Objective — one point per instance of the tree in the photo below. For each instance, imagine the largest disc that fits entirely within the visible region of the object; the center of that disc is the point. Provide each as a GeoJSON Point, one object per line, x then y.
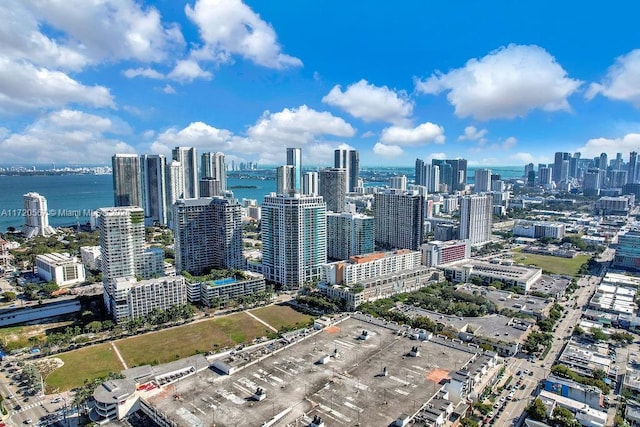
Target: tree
{"type": "Point", "coordinates": [563, 417]}
{"type": "Point", "coordinates": [598, 335]}
{"type": "Point", "coordinates": [536, 410]}
{"type": "Point", "coordinates": [9, 296]}
{"type": "Point", "coordinates": [578, 330]}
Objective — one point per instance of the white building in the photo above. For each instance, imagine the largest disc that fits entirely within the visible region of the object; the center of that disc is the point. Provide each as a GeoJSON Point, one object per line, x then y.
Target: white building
{"type": "Point", "coordinates": [132, 299]}
{"type": "Point", "coordinates": [213, 293]}
{"type": "Point", "coordinates": [294, 238]}
{"type": "Point", "coordinates": [399, 219]}
{"type": "Point", "coordinates": [362, 267]}
{"type": "Point", "coordinates": [476, 218]}
{"type": "Point", "coordinates": [60, 268]}
{"type": "Point", "coordinates": [91, 257]}
{"type": "Point", "coordinates": [36, 216]}
{"type": "Point", "coordinates": [538, 229]}
{"type": "Point", "coordinates": [115, 399]}
{"type": "Point", "coordinates": [437, 252]}
{"type": "Point", "coordinates": [398, 182]}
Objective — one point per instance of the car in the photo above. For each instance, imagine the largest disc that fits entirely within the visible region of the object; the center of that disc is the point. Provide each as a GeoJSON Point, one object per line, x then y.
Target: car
{"type": "Point", "coordinates": [531, 373]}
{"type": "Point", "coordinates": [26, 399]}
{"type": "Point", "coordinates": [17, 408]}
{"type": "Point", "coordinates": [496, 405]}
{"type": "Point", "coordinates": [28, 421]}
{"type": "Point", "coordinates": [518, 373]}
{"type": "Point", "coordinates": [491, 414]}
{"type": "Point", "coordinates": [523, 386]}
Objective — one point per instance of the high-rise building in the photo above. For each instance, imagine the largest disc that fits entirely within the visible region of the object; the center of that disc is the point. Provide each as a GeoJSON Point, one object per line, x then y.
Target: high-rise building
{"type": "Point", "coordinates": [210, 187]}
{"type": "Point", "coordinates": [433, 183]}
{"type": "Point", "coordinates": [628, 251]}
{"type": "Point", "coordinates": [175, 185]}
{"type": "Point", "coordinates": [545, 175]}
{"type": "Point", "coordinates": [399, 219]}
{"type": "Point", "coordinates": [603, 162]}
{"type": "Point", "coordinates": [310, 184]}
{"type": "Point", "coordinates": [127, 190]}
{"type": "Point", "coordinates": [36, 216]}
{"type": "Point", "coordinates": [294, 239]}
{"type": "Point", "coordinates": [453, 173]}
{"type": "Point", "coordinates": [207, 234]}
{"type": "Point", "coordinates": [632, 171]}
{"type": "Point", "coordinates": [294, 158]}
{"type": "Point", "coordinates": [188, 169]}
{"type": "Point", "coordinates": [528, 168]}
{"type": "Point", "coordinates": [333, 189]}
{"type": "Point", "coordinates": [591, 183]}
{"type": "Point", "coordinates": [154, 188]}
{"type": "Point", "coordinates": [557, 166]}
{"type": "Point", "coordinates": [212, 165]}
{"type": "Point", "coordinates": [618, 163]}
{"type": "Point", "coordinates": [286, 179]}
{"type": "Point", "coordinates": [438, 252]}
{"type": "Point", "coordinates": [482, 181]}
{"type": "Point", "coordinates": [476, 218]}
{"type": "Point", "coordinates": [574, 165]}
{"type": "Point", "coordinates": [420, 173]}
{"type": "Point", "coordinates": [349, 234]}
{"type": "Point", "coordinates": [398, 182]}
{"type": "Point", "coordinates": [350, 161]}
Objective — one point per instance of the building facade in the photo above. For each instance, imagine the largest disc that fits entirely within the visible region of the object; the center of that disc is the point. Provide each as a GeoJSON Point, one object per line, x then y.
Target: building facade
{"type": "Point", "coordinates": [213, 166]}
{"type": "Point", "coordinates": [294, 158]}
{"type": "Point", "coordinates": [349, 160]}
{"type": "Point", "coordinates": [62, 269]}
{"type": "Point", "coordinates": [399, 219]}
{"type": "Point", "coordinates": [332, 187]}
{"type": "Point", "coordinates": [188, 171]}
{"type": "Point", "coordinates": [133, 299]}
{"type": "Point", "coordinates": [127, 190]}
{"type": "Point", "coordinates": [476, 218]}
{"type": "Point", "coordinates": [36, 216]}
{"type": "Point", "coordinates": [438, 252]}
{"type": "Point", "coordinates": [628, 251]}
{"type": "Point", "coordinates": [207, 234]}
{"type": "Point", "coordinates": [154, 188]}
{"type": "Point", "coordinates": [349, 234]}
{"type": "Point", "coordinates": [294, 239]}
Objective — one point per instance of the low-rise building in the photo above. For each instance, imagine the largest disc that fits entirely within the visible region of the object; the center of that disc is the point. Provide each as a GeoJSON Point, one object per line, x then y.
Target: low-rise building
{"type": "Point", "coordinates": [218, 292]}
{"type": "Point", "coordinates": [613, 298]}
{"type": "Point", "coordinates": [5, 256]}
{"type": "Point", "coordinates": [62, 269]}
{"type": "Point", "coordinates": [438, 252]}
{"type": "Point", "coordinates": [584, 414]}
{"type": "Point", "coordinates": [538, 229]}
{"type": "Point", "coordinates": [132, 299]}
{"type": "Point", "coordinates": [115, 399]}
{"type": "Point", "coordinates": [584, 358]}
{"type": "Point", "coordinates": [589, 395]}
{"type": "Point", "coordinates": [510, 275]}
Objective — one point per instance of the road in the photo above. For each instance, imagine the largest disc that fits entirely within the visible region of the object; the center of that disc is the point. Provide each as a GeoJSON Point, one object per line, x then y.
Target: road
{"type": "Point", "coordinates": [542, 368]}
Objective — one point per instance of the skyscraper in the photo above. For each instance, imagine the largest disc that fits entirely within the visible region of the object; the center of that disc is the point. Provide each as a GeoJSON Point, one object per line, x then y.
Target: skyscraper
{"type": "Point", "coordinates": [349, 234]}
{"type": "Point", "coordinates": [36, 216]}
{"type": "Point", "coordinates": [188, 169]}
{"type": "Point", "coordinates": [207, 234]}
{"type": "Point", "coordinates": [294, 239]}
{"type": "Point", "coordinates": [476, 218]}
{"type": "Point", "coordinates": [420, 173]}
{"type": "Point", "coordinates": [294, 158]}
{"type": "Point", "coordinates": [333, 189]}
{"type": "Point", "coordinates": [545, 175]}
{"type": "Point", "coordinates": [453, 173]}
{"type": "Point", "coordinates": [632, 171]}
{"type": "Point", "coordinates": [210, 187]}
{"type": "Point", "coordinates": [286, 179]}
{"type": "Point", "coordinates": [127, 189]}
{"type": "Point", "coordinates": [399, 219]}
{"type": "Point", "coordinates": [212, 165]}
{"type": "Point", "coordinates": [154, 188]}
{"type": "Point", "coordinates": [557, 166]}
{"type": "Point", "coordinates": [350, 161]}
{"type": "Point", "coordinates": [310, 184]}
{"type": "Point", "coordinates": [603, 162]}
{"type": "Point", "coordinates": [428, 175]}
{"type": "Point", "coordinates": [121, 246]}
{"type": "Point", "coordinates": [482, 181]}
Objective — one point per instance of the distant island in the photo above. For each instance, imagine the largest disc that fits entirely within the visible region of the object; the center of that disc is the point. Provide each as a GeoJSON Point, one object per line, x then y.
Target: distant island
{"type": "Point", "coordinates": [238, 187]}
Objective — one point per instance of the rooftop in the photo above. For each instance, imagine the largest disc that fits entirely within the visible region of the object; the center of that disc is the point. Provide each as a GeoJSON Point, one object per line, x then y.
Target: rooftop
{"type": "Point", "coordinates": [309, 378]}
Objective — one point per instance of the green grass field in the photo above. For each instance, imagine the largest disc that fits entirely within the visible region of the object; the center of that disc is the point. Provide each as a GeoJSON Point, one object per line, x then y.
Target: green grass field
{"type": "Point", "coordinates": [86, 363]}
{"type": "Point", "coordinates": [176, 343]}
{"type": "Point", "coordinates": [282, 315]}
{"type": "Point", "coordinates": [554, 265]}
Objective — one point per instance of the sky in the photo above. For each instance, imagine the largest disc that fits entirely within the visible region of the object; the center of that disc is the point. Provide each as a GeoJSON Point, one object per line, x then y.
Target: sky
{"type": "Point", "coordinates": [495, 82]}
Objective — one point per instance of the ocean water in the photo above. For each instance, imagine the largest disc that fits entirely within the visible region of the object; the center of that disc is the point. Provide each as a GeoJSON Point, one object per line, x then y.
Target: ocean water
{"type": "Point", "coordinates": [71, 198]}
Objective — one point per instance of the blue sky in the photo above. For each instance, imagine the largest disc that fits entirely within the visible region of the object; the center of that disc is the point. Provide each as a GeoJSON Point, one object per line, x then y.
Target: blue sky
{"type": "Point", "coordinates": [496, 82]}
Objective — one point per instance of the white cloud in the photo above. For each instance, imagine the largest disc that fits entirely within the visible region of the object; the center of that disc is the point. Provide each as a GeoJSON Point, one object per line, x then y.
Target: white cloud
{"type": "Point", "coordinates": [25, 87]}
{"type": "Point", "coordinates": [230, 27]}
{"type": "Point", "coordinates": [437, 156]}
{"type": "Point", "coordinates": [509, 143]}
{"type": "Point", "coordinates": [622, 81]}
{"type": "Point", "coordinates": [78, 137]}
{"type": "Point", "coordinates": [168, 89]}
{"type": "Point", "coordinates": [196, 134]}
{"type": "Point", "coordinates": [595, 146]}
{"type": "Point", "coordinates": [298, 126]}
{"type": "Point", "coordinates": [188, 70]}
{"type": "Point", "coordinates": [371, 103]}
{"type": "Point", "coordinates": [110, 29]}
{"type": "Point", "coordinates": [368, 134]}
{"type": "Point", "coordinates": [507, 83]}
{"type": "Point", "coordinates": [386, 150]}
{"type": "Point", "coordinates": [525, 158]}
{"type": "Point", "coordinates": [471, 133]}
{"type": "Point", "coordinates": [422, 134]}
{"type": "Point", "coordinates": [149, 73]}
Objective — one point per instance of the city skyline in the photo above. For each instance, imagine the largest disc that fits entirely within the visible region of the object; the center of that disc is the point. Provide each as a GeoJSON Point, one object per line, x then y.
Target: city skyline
{"type": "Point", "coordinates": [146, 76]}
